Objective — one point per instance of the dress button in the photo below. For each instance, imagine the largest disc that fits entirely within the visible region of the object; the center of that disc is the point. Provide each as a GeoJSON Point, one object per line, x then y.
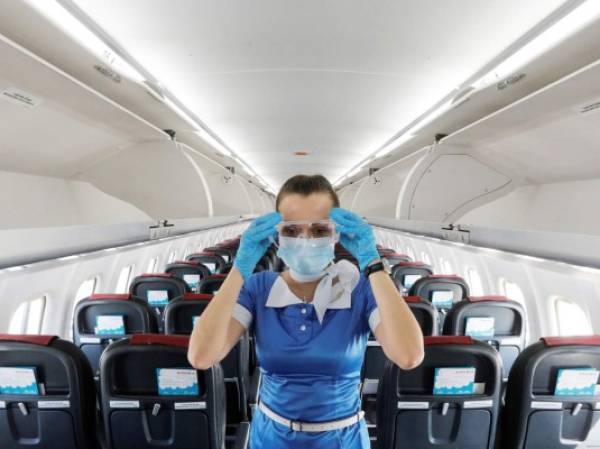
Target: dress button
{"type": "Point", "coordinates": [303, 310]}
{"type": "Point", "coordinates": [303, 327]}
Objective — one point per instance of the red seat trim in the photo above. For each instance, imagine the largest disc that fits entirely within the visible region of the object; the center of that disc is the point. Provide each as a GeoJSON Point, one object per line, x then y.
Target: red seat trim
{"type": "Point", "coordinates": [180, 341]}
{"type": "Point", "coordinates": [158, 275]}
{"type": "Point", "coordinates": [448, 340]}
{"type": "Point", "coordinates": [416, 264]}
{"type": "Point", "coordinates": [203, 253]}
{"type": "Point", "coordinates": [586, 340]}
{"type": "Point", "coordinates": [217, 276]}
{"type": "Point", "coordinates": [41, 340]}
{"type": "Point", "coordinates": [197, 296]}
{"type": "Point", "coordinates": [487, 298]}
{"type": "Point", "coordinates": [115, 296]}
{"type": "Point", "coordinates": [413, 299]}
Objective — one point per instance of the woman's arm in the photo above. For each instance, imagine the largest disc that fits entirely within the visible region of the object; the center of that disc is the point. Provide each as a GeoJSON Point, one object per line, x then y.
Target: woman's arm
{"type": "Point", "coordinates": [398, 332]}
{"type": "Point", "coordinates": [216, 332]}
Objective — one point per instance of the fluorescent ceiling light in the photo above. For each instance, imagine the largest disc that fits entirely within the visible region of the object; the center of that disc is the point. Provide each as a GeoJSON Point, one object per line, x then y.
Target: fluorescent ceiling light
{"type": "Point", "coordinates": [69, 24]}
{"type": "Point", "coordinates": [353, 171]}
{"type": "Point", "coordinates": [576, 20]}
{"type": "Point", "coordinates": [393, 145]}
{"type": "Point", "coordinates": [212, 142]}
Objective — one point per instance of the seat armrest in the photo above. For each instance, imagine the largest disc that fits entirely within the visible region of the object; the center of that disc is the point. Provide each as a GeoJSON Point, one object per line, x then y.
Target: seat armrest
{"type": "Point", "coordinates": [242, 436]}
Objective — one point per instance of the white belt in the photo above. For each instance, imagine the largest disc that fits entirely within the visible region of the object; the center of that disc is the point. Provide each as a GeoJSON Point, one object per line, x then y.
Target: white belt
{"type": "Point", "coordinates": [300, 426]}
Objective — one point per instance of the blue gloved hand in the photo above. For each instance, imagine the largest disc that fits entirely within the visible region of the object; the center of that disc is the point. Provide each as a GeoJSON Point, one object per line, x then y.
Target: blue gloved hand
{"type": "Point", "coordinates": [254, 242]}
{"type": "Point", "coordinates": [356, 235]}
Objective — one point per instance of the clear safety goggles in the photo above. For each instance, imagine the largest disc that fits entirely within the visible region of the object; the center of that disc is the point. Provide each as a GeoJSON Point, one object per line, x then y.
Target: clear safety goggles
{"type": "Point", "coordinates": [311, 229]}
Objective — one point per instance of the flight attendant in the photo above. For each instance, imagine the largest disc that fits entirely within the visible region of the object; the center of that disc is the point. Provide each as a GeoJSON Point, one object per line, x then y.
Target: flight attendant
{"type": "Point", "coordinates": [311, 322]}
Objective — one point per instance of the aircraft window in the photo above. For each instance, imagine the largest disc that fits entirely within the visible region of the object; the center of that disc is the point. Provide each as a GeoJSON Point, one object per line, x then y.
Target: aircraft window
{"type": "Point", "coordinates": [152, 265]}
{"type": "Point", "coordinates": [425, 258]}
{"type": "Point", "coordinates": [123, 282]}
{"type": "Point", "coordinates": [512, 291]}
{"type": "Point", "coordinates": [28, 318]}
{"type": "Point", "coordinates": [172, 256]}
{"type": "Point", "coordinates": [571, 318]}
{"type": "Point", "coordinates": [445, 266]}
{"type": "Point", "coordinates": [474, 280]}
{"type": "Point", "coordinates": [87, 288]}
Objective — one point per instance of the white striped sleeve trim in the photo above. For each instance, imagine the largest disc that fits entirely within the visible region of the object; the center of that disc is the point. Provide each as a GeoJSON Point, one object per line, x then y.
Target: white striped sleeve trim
{"type": "Point", "coordinates": [242, 314]}
{"type": "Point", "coordinates": [374, 319]}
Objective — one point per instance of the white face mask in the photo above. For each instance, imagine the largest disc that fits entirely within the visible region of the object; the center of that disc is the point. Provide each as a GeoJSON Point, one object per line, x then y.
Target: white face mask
{"type": "Point", "coordinates": [307, 258]}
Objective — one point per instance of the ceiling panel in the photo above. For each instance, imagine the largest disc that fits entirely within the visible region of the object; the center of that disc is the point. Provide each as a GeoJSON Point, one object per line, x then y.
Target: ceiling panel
{"type": "Point", "coordinates": [336, 78]}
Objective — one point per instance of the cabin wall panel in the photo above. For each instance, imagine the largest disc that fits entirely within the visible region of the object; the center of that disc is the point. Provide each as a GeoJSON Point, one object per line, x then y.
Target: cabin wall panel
{"type": "Point", "coordinates": [59, 279]}
{"type": "Point", "coordinates": [38, 201]}
{"type": "Point", "coordinates": [562, 207]}
{"type": "Point", "coordinates": [540, 280]}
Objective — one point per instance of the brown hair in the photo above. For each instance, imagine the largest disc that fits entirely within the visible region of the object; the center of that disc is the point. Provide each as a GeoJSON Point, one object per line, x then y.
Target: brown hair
{"type": "Point", "coordinates": [305, 185]}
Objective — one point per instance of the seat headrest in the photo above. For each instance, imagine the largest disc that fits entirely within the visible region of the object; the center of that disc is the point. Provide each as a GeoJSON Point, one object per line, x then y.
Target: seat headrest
{"type": "Point", "coordinates": [180, 341]}
{"type": "Point", "coordinates": [185, 262]}
{"type": "Point", "coordinates": [448, 340]}
{"type": "Point", "coordinates": [197, 296]}
{"type": "Point", "coordinates": [444, 276]}
{"type": "Point", "coordinates": [41, 340]}
{"type": "Point", "coordinates": [115, 296]}
{"type": "Point", "coordinates": [586, 340]}
{"type": "Point", "coordinates": [487, 298]}
{"type": "Point", "coordinates": [158, 275]}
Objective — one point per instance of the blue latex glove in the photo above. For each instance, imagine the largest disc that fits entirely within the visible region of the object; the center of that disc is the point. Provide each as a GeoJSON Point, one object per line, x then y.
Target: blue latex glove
{"type": "Point", "coordinates": [254, 243]}
{"type": "Point", "coordinates": [356, 235]}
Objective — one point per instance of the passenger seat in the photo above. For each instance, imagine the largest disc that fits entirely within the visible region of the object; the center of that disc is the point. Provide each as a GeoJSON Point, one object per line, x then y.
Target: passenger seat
{"type": "Point", "coordinates": [152, 398]}
{"type": "Point", "coordinates": [551, 398]}
{"type": "Point", "coordinates": [158, 289]}
{"type": "Point", "coordinates": [191, 272]}
{"type": "Point", "coordinates": [47, 397]}
{"type": "Point", "coordinates": [180, 316]}
{"type": "Point", "coordinates": [124, 314]}
{"type": "Point", "coordinates": [405, 274]}
{"type": "Point", "coordinates": [493, 319]}
{"type": "Point", "coordinates": [450, 401]}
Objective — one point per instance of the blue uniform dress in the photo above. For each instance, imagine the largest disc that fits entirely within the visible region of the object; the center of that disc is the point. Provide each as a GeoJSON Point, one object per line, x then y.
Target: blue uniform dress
{"type": "Point", "coordinates": [310, 370]}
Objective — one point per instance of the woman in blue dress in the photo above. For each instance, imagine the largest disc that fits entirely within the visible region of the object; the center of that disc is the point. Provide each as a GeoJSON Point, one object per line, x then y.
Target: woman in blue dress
{"type": "Point", "coordinates": [311, 322]}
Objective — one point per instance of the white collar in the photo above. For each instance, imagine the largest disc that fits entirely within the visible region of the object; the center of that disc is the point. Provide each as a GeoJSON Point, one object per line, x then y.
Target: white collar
{"type": "Point", "coordinates": [327, 295]}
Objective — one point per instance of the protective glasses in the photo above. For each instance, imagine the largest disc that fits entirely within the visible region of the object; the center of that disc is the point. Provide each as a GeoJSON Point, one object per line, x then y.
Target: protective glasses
{"type": "Point", "coordinates": [312, 229]}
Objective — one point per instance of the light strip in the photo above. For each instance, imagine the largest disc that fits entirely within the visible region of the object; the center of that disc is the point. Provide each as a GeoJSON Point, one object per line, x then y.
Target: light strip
{"type": "Point", "coordinates": [573, 22]}
{"type": "Point", "coordinates": [74, 27]}
{"type": "Point", "coordinates": [69, 24]}
{"type": "Point", "coordinates": [576, 20]}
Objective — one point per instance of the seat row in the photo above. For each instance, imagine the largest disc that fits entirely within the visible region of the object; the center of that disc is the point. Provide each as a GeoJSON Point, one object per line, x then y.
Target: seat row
{"type": "Point", "coordinates": [150, 397]}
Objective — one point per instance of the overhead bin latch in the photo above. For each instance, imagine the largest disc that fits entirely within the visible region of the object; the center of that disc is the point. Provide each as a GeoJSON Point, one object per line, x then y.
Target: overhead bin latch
{"type": "Point", "coordinates": [161, 229]}
{"type": "Point", "coordinates": [456, 233]}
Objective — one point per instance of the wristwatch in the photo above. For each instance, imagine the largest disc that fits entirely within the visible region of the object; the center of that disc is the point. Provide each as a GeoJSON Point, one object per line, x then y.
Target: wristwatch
{"type": "Point", "coordinates": [382, 265]}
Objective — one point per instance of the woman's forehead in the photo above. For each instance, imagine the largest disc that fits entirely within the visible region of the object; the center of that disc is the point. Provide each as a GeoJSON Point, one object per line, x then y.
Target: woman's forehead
{"type": "Point", "coordinates": [315, 206]}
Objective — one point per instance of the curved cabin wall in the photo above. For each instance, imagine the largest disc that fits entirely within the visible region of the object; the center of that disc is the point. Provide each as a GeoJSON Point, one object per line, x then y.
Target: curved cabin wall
{"type": "Point", "coordinates": [40, 201]}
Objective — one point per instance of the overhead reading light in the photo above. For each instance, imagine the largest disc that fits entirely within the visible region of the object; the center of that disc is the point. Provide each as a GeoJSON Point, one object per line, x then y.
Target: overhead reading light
{"type": "Point", "coordinates": [69, 24]}
{"type": "Point", "coordinates": [576, 20]}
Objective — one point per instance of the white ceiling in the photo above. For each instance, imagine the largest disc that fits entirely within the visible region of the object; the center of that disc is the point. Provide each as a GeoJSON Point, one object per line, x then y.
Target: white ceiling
{"type": "Point", "coordinates": [335, 78]}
